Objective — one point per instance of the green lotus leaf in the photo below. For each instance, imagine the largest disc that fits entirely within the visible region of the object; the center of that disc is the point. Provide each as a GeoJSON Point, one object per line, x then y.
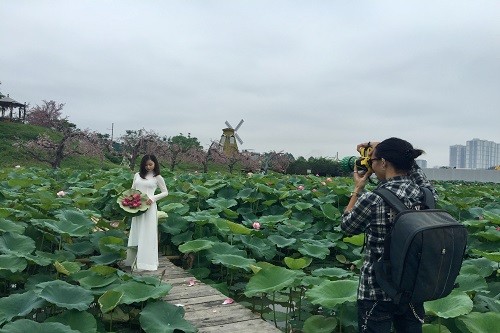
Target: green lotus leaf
{"type": "Point", "coordinates": [110, 300]}
{"type": "Point", "coordinates": [12, 263]}
{"type": "Point", "coordinates": [302, 205]}
{"type": "Point", "coordinates": [202, 191]}
{"type": "Point", "coordinates": [272, 219]}
{"type": "Point", "coordinates": [12, 243]}
{"type": "Point", "coordinates": [491, 234]}
{"type": "Point", "coordinates": [221, 203]}
{"type": "Point", "coordinates": [261, 248]}
{"type": "Point", "coordinates": [481, 266]}
{"type": "Point", "coordinates": [357, 240]}
{"type": "Point", "coordinates": [201, 217]}
{"type": "Point", "coordinates": [435, 328]}
{"type": "Point", "coordinates": [133, 211]}
{"type": "Point", "coordinates": [336, 272]}
{"type": "Point", "coordinates": [330, 211]}
{"type": "Point", "coordinates": [494, 256]}
{"type": "Point", "coordinates": [19, 305]}
{"type": "Point", "coordinates": [237, 228]}
{"type": "Point", "coordinates": [195, 245]}
{"type": "Point", "coordinates": [26, 325]}
{"type": "Point", "coordinates": [106, 258]}
{"type": "Point", "coordinates": [134, 291]}
{"type": "Point", "coordinates": [298, 263]}
{"type": "Point", "coordinates": [272, 279]}
{"type": "Point", "coordinates": [281, 241]}
{"type": "Point", "coordinates": [67, 267]}
{"type": "Point", "coordinates": [65, 295]}
{"type": "Point", "coordinates": [481, 322]}
{"type": "Point", "coordinates": [174, 224]}
{"type": "Point", "coordinates": [111, 244]}
{"type": "Point", "coordinates": [103, 270]}
{"type": "Point", "coordinates": [319, 324]}
{"type": "Point", "coordinates": [80, 248]}
{"type": "Point", "coordinates": [471, 282]}
{"type": "Point", "coordinates": [14, 227]}
{"type": "Point", "coordinates": [94, 280]}
{"type": "Point", "coordinates": [233, 261]}
{"type": "Point", "coordinates": [162, 317]}
{"type": "Point", "coordinates": [316, 251]}
{"type": "Point", "coordinates": [332, 293]}
{"type": "Point", "coordinates": [225, 248]}
{"type": "Point", "coordinates": [161, 215]}
{"type": "Point", "coordinates": [175, 207]}
{"type": "Point", "coordinates": [456, 304]}
{"type": "Point", "coordinates": [80, 321]}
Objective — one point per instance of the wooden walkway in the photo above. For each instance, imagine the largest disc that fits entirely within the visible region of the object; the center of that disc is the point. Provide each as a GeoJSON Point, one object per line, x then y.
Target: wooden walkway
{"type": "Point", "coordinates": [203, 304]}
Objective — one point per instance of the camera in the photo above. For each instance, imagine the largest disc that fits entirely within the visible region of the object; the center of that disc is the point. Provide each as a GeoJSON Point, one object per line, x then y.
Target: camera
{"type": "Point", "coordinates": [361, 162]}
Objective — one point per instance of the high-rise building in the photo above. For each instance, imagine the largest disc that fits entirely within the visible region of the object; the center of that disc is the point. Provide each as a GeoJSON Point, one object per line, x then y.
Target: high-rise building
{"type": "Point", "coordinates": [457, 156]}
{"type": "Point", "coordinates": [476, 154]}
{"type": "Point", "coordinates": [421, 163]}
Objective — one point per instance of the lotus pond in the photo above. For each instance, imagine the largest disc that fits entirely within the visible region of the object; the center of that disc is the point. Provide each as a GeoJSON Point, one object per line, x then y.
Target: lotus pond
{"type": "Point", "coordinates": [270, 242]}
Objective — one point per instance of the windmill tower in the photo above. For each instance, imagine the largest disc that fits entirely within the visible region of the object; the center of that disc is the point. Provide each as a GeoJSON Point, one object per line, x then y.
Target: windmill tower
{"type": "Point", "coordinates": [229, 138]}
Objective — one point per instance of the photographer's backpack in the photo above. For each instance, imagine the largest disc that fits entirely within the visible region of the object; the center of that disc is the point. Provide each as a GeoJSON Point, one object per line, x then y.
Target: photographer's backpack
{"type": "Point", "coordinates": [423, 251]}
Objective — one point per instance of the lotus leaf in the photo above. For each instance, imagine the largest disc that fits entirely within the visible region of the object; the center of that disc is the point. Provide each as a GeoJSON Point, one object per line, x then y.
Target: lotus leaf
{"type": "Point", "coordinates": [455, 304]}
{"type": "Point", "coordinates": [481, 322]}
{"type": "Point", "coordinates": [261, 248]}
{"type": "Point", "coordinates": [80, 321]}
{"type": "Point", "coordinates": [26, 325]}
{"type": "Point", "coordinates": [330, 211]}
{"type": "Point", "coordinates": [272, 279]}
{"type": "Point", "coordinates": [80, 248]}
{"type": "Point", "coordinates": [160, 317]}
{"type": "Point", "coordinates": [67, 267]}
{"type": "Point", "coordinates": [12, 243]}
{"type": "Point", "coordinates": [222, 203]}
{"type": "Point", "coordinates": [336, 272]}
{"type": "Point", "coordinates": [316, 251]}
{"type": "Point", "coordinates": [65, 295]}
{"type": "Point", "coordinates": [225, 248]}
{"type": "Point", "coordinates": [133, 211]}
{"type": "Point", "coordinates": [494, 256]}
{"type": "Point", "coordinates": [10, 226]}
{"type": "Point", "coordinates": [195, 245]}
{"type": "Point", "coordinates": [469, 282]}
{"type": "Point", "coordinates": [202, 191]}
{"type": "Point", "coordinates": [110, 300]}
{"type": "Point", "coordinates": [281, 241]}
{"type": "Point", "coordinates": [134, 292]}
{"type": "Point", "coordinates": [12, 263]}
{"type": "Point", "coordinates": [16, 305]}
{"type": "Point", "coordinates": [94, 280]}
{"type": "Point", "coordinates": [297, 263]}
{"type": "Point", "coordinates": [237, 228]}
{"type": "Point", "coordinates": [175, 207]}
{"type": "Point", "coordinates": [357, 240]}
{"type": "Point", "coordinates": [435, 328]}
{"type": "Point", "coordinates": [332, 293]}
{"type": "Point", "coordinates": [319, 324]}
{"type": "Point", "coordinates": [233, 261]}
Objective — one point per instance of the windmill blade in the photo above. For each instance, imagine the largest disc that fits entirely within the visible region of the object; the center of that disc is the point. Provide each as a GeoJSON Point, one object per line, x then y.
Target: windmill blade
{"type": "Point", "coordinates": [228, 124]}
{"type": "Point", "coordinates": [238, 126]}
{"type": "Point", "coordinates": [238, 138]}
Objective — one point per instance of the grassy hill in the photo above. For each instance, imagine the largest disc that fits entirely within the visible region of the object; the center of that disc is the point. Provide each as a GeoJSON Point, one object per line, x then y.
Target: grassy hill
{"type": "Point", "coordinates": [10, 156]}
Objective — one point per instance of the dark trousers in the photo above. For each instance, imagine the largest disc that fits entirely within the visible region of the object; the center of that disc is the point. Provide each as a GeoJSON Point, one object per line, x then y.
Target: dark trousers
{"type": "Point", "coordinates": [379, 316]}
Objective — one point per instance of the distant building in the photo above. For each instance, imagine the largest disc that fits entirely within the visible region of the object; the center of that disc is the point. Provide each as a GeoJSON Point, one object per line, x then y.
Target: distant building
{"type": "Point", "coordinates": [421, 163]}
{"type": "Point", "coordinates": [476, 154]}
{"type": "Point", "coordinates": [457, 157]}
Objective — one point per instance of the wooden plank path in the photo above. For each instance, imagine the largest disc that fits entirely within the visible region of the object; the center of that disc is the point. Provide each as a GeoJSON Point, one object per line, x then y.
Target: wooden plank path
{"type": "Point", "coordinates": [203, 304]}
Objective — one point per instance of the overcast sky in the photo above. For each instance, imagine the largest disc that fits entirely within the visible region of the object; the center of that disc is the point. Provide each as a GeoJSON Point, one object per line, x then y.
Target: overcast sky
{"type": "Point", "coordinates": [312, 78]}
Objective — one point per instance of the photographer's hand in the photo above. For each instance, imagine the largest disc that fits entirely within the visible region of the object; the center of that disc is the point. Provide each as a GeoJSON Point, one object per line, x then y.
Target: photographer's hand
{"type": "Point", "coordinates": [359, 186]}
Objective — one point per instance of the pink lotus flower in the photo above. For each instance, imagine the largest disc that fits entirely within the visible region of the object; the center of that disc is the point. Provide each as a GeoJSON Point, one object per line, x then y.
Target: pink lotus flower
{"type": "Point", "coordinates": [256, 225]}
{"type": "Point", "coordinates": [300, 187]}
{"type": "Point", "coordinates": [61, 194]}
{"type": "Point", "coordinates": [191, 282]}
{"type": "Point", "coordinates": [228, 301]}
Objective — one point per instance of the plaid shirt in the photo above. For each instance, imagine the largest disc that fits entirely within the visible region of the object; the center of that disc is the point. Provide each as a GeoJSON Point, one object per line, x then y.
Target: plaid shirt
{"type": "Point", "coordinates": [373, 216]}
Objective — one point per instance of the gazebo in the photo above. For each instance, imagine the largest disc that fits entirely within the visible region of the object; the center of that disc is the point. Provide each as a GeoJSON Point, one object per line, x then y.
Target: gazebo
{"type": "Point", "coordinates": [8, 105]}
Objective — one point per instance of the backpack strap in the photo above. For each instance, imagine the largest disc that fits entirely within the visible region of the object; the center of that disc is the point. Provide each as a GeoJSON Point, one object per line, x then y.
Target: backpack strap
{"type": "Point", "coordinates": [429, 200]}
{"type": "Point", "coordinates": [393, 201]}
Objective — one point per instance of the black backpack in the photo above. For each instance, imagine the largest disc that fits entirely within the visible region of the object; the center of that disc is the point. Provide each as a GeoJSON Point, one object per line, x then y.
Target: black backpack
{"type": "Point", "coordinates": [423, 251]}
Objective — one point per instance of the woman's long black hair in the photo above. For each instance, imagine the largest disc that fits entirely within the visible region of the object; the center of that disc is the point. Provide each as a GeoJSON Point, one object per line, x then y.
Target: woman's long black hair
{"type": "Point", "coordinates": [142, 170]}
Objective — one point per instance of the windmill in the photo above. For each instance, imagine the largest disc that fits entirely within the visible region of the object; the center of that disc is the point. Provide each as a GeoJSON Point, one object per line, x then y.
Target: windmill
{"type": "Point", "coordinates": [229, 138]}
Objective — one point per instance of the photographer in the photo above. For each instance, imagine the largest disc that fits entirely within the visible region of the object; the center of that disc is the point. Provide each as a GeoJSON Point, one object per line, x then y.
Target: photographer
{"type": "Point", "coordinates": [393, 162]}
